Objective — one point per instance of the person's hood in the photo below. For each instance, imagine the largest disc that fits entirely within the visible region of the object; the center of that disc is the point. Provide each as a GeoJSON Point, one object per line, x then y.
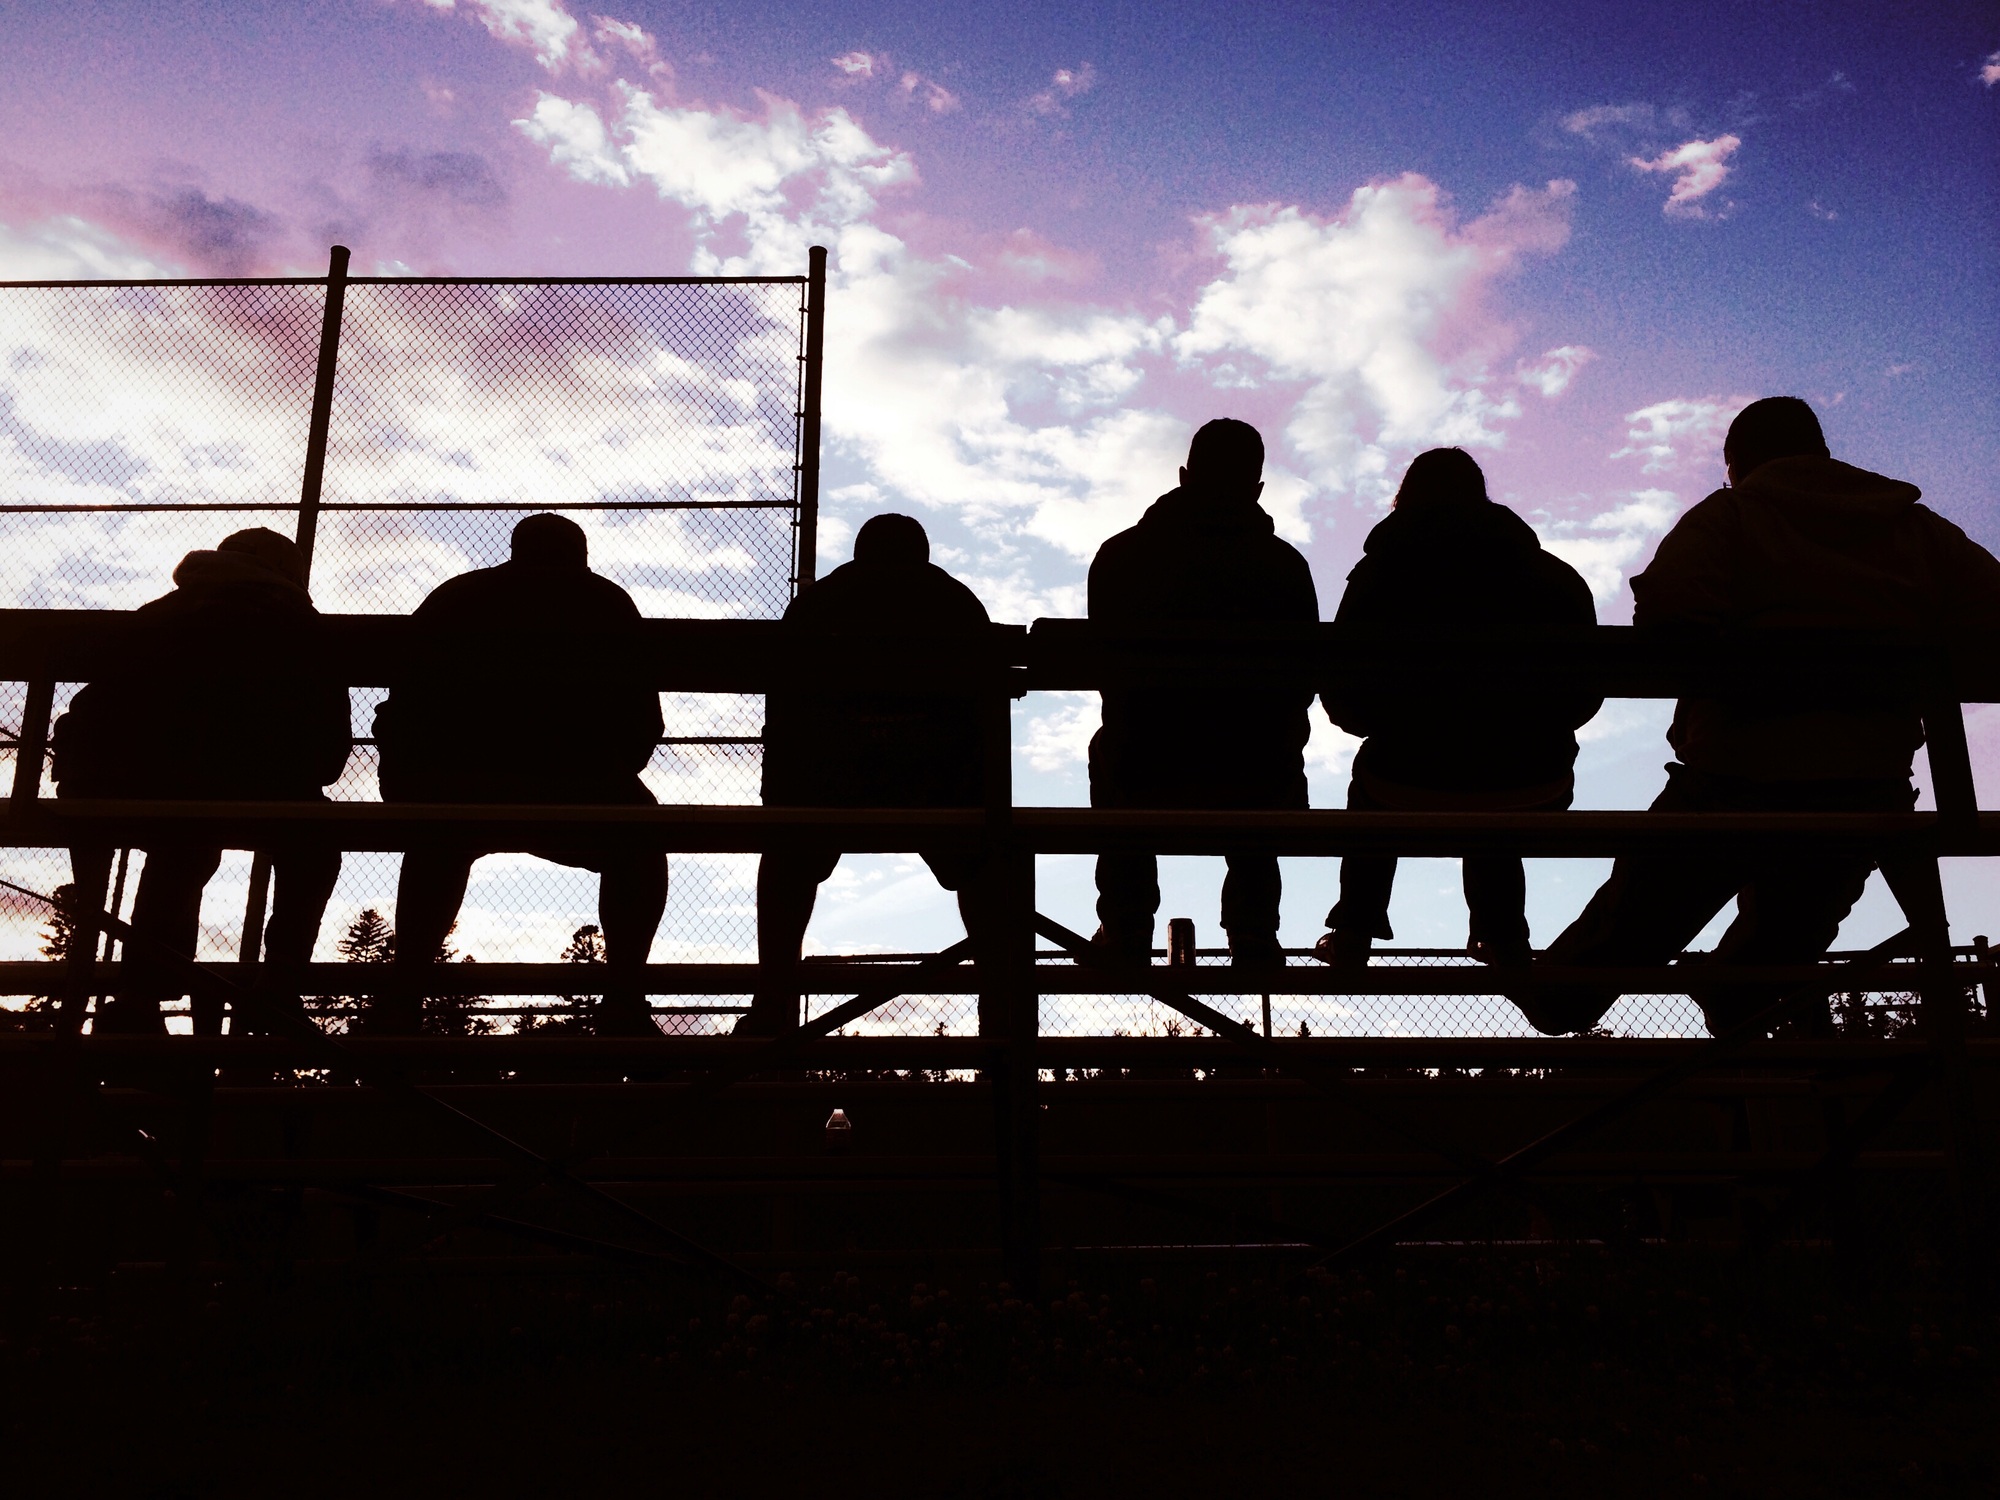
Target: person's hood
{"type": "Point", "coordinates": [1824, 494]}
{"type": "Point", "coordinates": [1205, 513]}
{"type": "Point", "coordinates": [236, 572]}
{"type": "Point", "coordinates": [1478, 527]}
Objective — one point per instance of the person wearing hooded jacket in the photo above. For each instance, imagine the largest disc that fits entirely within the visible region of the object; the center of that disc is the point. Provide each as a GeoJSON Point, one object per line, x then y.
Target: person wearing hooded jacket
{"type": "Point", "coordinates": [495, 729]}
{"type": "Point", "coordinates": [1205, 552]}
{"type": "Point", "coordinates": [1449, 557]}
{"type": "Point", "coordinates": [1796, 539]}
{"type": "Point", "coordinates": [246, 718]}
{"type": "Point", "coordinates": [842, 748]}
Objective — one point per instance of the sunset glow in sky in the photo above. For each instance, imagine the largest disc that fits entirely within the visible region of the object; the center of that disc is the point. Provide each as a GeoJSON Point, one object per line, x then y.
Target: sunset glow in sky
{"type": "Point", "coordinates": [1062, 236]}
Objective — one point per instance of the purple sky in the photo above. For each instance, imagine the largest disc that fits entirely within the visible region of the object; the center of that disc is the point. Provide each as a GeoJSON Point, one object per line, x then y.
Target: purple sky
{"type": "Point", "coordinates": [1065, 235]}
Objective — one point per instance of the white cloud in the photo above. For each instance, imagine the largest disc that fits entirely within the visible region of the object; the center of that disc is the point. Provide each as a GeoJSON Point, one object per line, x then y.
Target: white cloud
{"type": "Point", "coordinates": [860, 64]}
{"type": "Point", "coordinates": [1699, 168]}
{"type": "Point", "coordinates": [1821, 212]}
{"type": "Point", "coordinates": [938, 99]}
{"type": "Point", "coordinates": [1553, 372]}
{"type": "Point", "coordinates": [1680, 433]}
{"type": "Point", "coordinates": [1604, 547]}
{"type": "Point", "coordinates": [632, 39]}
{"type": "Point", "coordinates": [576, 140]}
{"type": "Point", "coordinates": [67, 248]}
{"type": "Point", "coordinates": [1599, 118]}
{"type": "Point", "coordinates": [1378, 311]}
{"type": "Point", "coordinates": [1989, 72]}
{"type": "Point", "coordinates": [1067, 84]}
{"type": "Point", "coordinates": [542, 26]}
{"type": "Point", "coordinates": [1059, 738]}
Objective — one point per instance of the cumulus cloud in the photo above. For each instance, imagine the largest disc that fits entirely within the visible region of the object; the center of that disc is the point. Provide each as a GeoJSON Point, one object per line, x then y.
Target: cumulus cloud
{"type": "Point", "coordinates": [1600, 119]}
{"type": "Point", "coordinates": [544, 27]}
{"type": "Point", "coordinates": [66, 247]}
{"type": "Point", "coordinates": [860, 64]}
{"type": "Point", "coordinates": [576, 140]}
{"type": "Point", "coordinates": [1378, 311]}
{"type": "Point", "coordinates": [632, 39]}
{"type": "Point", "coordinates": [1680, 433]}
{"type": "Point", "coordinates": [1065, 85]}
{"type": "Point", "coordinates": [1989, 71]}
{"type": "Point", "coordinates": [1604, 547]}
{"type": "Point", "coordinates": [1698, 168]}
{"type": "Point", "coordinates": [1553, 372]}
{"type": "Point", "coordinates": [933, 95]}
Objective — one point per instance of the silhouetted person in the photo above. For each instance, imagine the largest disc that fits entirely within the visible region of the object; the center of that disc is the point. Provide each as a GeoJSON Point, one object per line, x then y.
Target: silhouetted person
{"type": "Point", "coordinates": [1205, 552]}
{"type": "Point", "coordinates": [1796, 540]}
{"type": "Point", "coordinates": [488, 729]}
{"type": "Point", "coordinates": [866, 749]}
{"type": "Point", "coordinates": [235, 711]}
{"type": "Point", "coordinates": [1445, 557]}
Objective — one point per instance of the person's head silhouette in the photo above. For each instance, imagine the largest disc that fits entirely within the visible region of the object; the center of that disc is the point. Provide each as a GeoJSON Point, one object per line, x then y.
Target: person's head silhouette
{"type": "Point", "coordinates": [1775, 427]}
{"type": "Point", "coordinates": [892, 540]}
{"type": "Point", "coordinates": [1225, 458]}
{"type": "Point", "coordinates": [278, 553]}
{"type": "Point", "coordinates": [1443, 476]}
{"type": "Point", "coordinates": [550, 541]}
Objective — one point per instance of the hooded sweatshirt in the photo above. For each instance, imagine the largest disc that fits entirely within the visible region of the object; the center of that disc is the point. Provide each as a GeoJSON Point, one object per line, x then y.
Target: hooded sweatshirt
{"type": "Point", "coordinates": [869, 749]}
{"type": "Point", "coordinates": [1200, 556]}
{"type": "Point", "coordinates": [1465, 564]}
{"type": "Point", "coordinates": [222, 712]}
{"type": "Point", "coordinates": [1812, 543]}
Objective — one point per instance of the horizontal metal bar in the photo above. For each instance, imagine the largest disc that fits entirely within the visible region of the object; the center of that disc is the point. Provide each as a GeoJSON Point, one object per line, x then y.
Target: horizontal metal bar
{"type": "Point", "coordinates": [33, 977]}
{"type": "Point", "coordinates": [748, 828]}
{"type": "Point", "coordinates": [192, 281]}
{"type": "Point", "coordinates": [396, 507]}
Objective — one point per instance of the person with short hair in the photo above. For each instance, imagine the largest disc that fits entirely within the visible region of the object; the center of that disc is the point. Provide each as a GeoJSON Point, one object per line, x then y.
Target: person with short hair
{"type": "Point", "coordinates": [497, 729]}
{"type": "Point", "coordinates": [845, 748]}
{"type": "Point", "coordinates": [222, 700]}
{"type": "Point", "coordinates": [1205, 552]}
{"type": "Point", "coordinates": [1448, 556]}
{"type": "Point", "coordinates": [1796, 539]}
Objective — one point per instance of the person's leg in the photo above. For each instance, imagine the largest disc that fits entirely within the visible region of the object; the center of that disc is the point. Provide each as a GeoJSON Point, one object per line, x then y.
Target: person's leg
{"type": "Point", "coordinates": [1251, 893]}
{"type": "Point", "coordinates": [1361, 916]}
{"type": "Point", "coordinates": [166, 909]}
{"type": "Point", "coordinates": [1128, 897]}
{"type": "Point", "coordinates": [969, 877]}
{"type": "Point", "coordinates": [788, 883]}
{"type": "Point", "coordinates": [1788, 912]}
{"type": "Point", "coordinates": [302, 882]}
{"type": "Point", "coordinates": [631, 899]}
{"type": "Point", "coordinates": [1646, 913]}
{"type": "Point", "coordinates": [1496, 908]}
{"type": "Point", "coordinates": [428, 896]}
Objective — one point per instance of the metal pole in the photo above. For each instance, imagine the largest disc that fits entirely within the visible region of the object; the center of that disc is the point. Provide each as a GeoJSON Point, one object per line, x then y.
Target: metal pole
{"type": "Point", "coordinates": [251, 949]}
{"type": "Point", "coordinates": [322, 407]}
{"type": "Point", "coordinates": [32, 745]}
{"type": "Point", "coordinates": [808, 522]}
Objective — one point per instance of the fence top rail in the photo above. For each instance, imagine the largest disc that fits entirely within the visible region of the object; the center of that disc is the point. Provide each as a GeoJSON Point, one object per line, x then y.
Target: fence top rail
{"type": "Point", "coordinates": [193, 281]}
{"type": "Point", "coordinates": [759, 655]}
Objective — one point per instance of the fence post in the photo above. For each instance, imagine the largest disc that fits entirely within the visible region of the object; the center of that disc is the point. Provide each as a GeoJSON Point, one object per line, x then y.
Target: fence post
{"type": "Point", "coordinates": [31, 747]}
{"type": "Point", "coordinates": [322, 407]}
{"type": "Point", "coordinates": [805, 567]}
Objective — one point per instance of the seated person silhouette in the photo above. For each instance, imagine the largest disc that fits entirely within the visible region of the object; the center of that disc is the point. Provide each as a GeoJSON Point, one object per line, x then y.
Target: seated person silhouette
{"type": "Point", "coordinates": [1448, 557]}
{"type": "Point", "coordinates": [866, 749]}
{"type": "Point", "coordinates": [1796, 539]}
{"type": "Point", "coordinates": [500, 730]}
{"type": "Point", "coordinates": [1205, 552]}
{"type": "Point", "coordinates": [231, 711]}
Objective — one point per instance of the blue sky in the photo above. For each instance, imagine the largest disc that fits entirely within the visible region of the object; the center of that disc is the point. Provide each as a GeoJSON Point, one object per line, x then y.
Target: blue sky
{"type": "Point", "coordinates": [1064, 235]}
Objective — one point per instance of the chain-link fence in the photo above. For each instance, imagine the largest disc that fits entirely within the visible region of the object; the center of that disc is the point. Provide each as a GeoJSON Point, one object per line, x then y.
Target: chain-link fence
{"type": "Point", "coordinates": [668, 417]}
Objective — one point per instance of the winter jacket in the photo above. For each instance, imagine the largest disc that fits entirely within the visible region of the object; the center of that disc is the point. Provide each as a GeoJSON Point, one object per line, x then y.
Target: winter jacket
{"type": "Point", "coordinates": [1468, 565]}
{"type": "Point", "coordinates": [495, 728]}
{"type": "Point", "coordinates": [1812, 542]}
{"type": "Point", "coordinates": [870, 749]}
{"type": "Point", "coordinates": [1196, 556]}
{"type": "Point", "coordinates": [233, 709]}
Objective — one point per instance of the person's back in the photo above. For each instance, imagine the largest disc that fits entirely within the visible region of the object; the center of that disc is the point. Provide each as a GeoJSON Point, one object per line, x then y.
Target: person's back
{"type": "Point", "coordinates": [1796, 540]}
{"type": "Point", "coordinates": [1806, 541]}
{"type": "Point", "coordinates": [1449, 558]}
{"type": "Point", "coordinates": [481, 728]}
{"type": "Point", "coordinates": [246, 717]}
{"type": "Point", "coordinates": [845, 747]}
{"type": "Point", "coordinates": [1205, 553]}
{"type": "Point", "coordinates": [221, 699]}
{"type": "Point", "coordinates": [873, 748]}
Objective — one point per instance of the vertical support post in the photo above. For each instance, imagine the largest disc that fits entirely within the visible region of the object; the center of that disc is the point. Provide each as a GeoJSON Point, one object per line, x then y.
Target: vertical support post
{"type": "Point", "coordinates": [807, 535]}
{"type": "Point", "coordinates": [322, 407]}
{"type": "Point", "coordinates": [250, 950]}
{"type": "Point", "coordinates": [33, 747]}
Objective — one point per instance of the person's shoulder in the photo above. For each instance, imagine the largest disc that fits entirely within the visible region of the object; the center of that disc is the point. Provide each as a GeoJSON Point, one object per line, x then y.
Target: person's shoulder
{"type": "Point", "coordinates": [954, 595]}
{"type": "Point", "coordinates": [611, 597]}
{"type": "Point", "coordinates": [465, 591]}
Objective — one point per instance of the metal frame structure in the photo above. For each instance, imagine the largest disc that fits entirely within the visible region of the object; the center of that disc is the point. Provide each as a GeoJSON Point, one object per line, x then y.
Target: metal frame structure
{"type": "Point", "coordinates": [673, 1084]}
